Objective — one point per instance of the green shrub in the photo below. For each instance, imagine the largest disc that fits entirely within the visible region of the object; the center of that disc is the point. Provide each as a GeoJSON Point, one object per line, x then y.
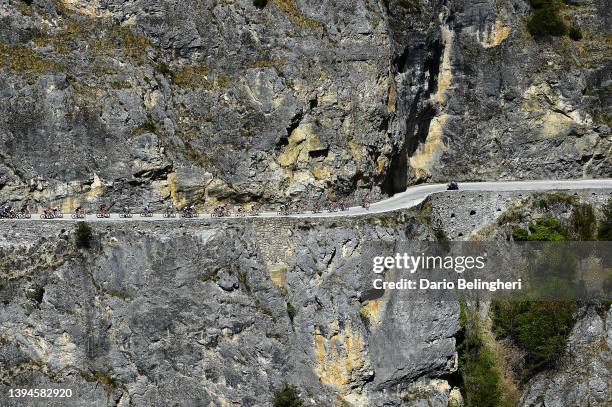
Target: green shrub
{"type": "Point", "coordinates": [260, 3]}
{"type": "Point", "coordinates": [520, 234]}
{"type": "Point", "coordinates": [288, 396]}
{"type": "Point", "coordinates": [605, 228]}
{"type": "Point", "coordinates": [477, 365]}
{"type": "Point", "coordinates": [83, 235]}
{"type": "Point", "coordinates": [547, 229]}
{"type": "Point", "coordinates": [481, 378]}
{"type": "Point", "coordinates": [540, 328]}
{"type": "Point", "coordinates": [208, 277]}
{"type": "Point", "coordinates": [545, 19]}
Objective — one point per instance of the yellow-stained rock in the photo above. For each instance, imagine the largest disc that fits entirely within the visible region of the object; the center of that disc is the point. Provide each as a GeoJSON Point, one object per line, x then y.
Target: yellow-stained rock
{"type": "Point", "coordinates": [321, 172]}
{"type": "Point", "coordinates": [65, 350]}
{"type": "Point", "coordinates": [172, 188]}
{"type": "Point", "coordinates": [381, 164]}
{"type": "Point", "coordinates": [302, 140]}
{"type": "Point", "coordinates": [499, 32]}
{"type": "Point", "coordinates": [445, 76]}
{"type": "Point", "coordinates": [553, 124]}
{"type": "Point", "coordinates": [278, 274]}
{"type": "Point", "coordinates": [338, 357]}
{"type": "Point", "coordinates": [372, 310]}
{"type": "Point", "coordinates": [356, 150]}
{"type": "Point", "coordinates": [428, 153]}
{"type": "Point", "coordinates": [541, 98]}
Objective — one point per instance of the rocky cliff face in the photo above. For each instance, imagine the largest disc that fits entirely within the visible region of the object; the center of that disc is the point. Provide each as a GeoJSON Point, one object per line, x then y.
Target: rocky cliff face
{"type": "Point", "coordinates": [487, 101]}
{"type": "Point", "coordinates": [225, 101]}
{"type": "Point", "coordinates": [584, 378]}
{"type": "Point", "coordinates": [222, 313]}
{"type": "Point", "coordinates": [204, 315]}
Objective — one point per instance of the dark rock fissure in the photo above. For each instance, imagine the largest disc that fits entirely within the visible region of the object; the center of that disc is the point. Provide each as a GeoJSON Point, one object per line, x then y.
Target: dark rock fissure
{"type": "Point", "coordinates": [422, 60]}
{"type": "Point", "coordinates": [294, 124]}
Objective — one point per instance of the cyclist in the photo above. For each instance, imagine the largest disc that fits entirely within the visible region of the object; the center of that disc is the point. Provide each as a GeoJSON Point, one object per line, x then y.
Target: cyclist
{"type": "Point", "coordinates": [48, 212]}
{"type": "Point", "coordinates": [452, 186]}
{"type": "Point", "coordinates": [331, 207]}
{"type": "Point", "coordinates": [365, 202]}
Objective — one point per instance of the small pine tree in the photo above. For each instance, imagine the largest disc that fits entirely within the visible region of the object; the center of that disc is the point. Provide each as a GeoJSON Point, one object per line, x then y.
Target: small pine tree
{"type": "Point", "coordinates": [291, 311]}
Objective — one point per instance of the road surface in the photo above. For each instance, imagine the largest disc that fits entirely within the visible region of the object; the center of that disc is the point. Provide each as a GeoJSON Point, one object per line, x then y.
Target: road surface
{"type": "Point", "coordinates": [411, 197]}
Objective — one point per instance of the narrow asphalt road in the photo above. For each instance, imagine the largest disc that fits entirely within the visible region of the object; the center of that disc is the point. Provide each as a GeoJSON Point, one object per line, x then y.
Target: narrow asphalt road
{"type": "Point", "coordinates": [411, 197]}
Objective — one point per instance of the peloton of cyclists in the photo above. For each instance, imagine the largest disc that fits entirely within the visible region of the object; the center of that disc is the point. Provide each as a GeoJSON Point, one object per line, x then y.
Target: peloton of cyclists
{"type": "Point", "coordinates": [221, 210]}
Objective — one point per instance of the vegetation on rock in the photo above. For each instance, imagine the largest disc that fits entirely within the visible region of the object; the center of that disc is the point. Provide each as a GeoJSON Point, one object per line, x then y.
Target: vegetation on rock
{"type": "Point", "coordinates": [575, 33]}
{"type": "Point", "coordinates": [604, 232]}
{"type": "Point", "coordinates": [540, 328]}
{"type": "Point", "coordinates": [83, 235]}
{"type": "Point", "coordinates": [291, 311]}
{"type": "Point", "coordinates": [544, 229]}
{"type": "Point", "coordinates": [288, 396]}
{"type": "Point", "coordinates": [546, 19]}
{"type": "Point", "coordinates": [583, 222]}
{"type": "Point", "coordinates": [21, 59]}
{"type": "Point", "coordinates": [478, 365]}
